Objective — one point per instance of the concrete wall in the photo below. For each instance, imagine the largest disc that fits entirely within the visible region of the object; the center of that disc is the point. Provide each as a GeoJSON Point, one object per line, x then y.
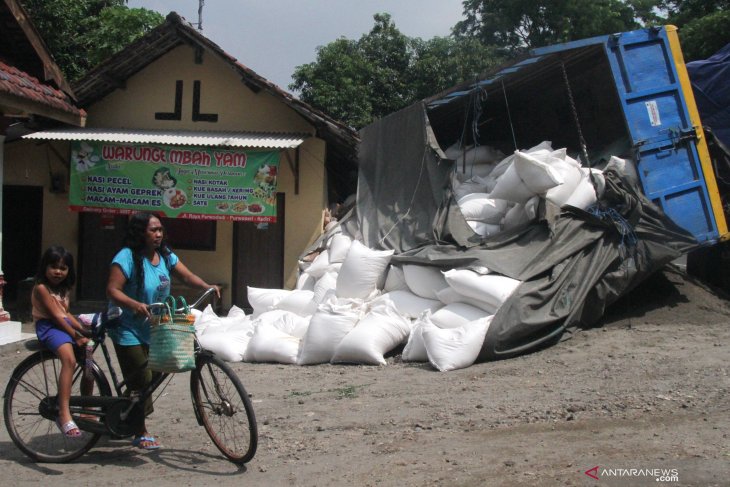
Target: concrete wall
{"type": "Point", "coordinates": [29, 163]}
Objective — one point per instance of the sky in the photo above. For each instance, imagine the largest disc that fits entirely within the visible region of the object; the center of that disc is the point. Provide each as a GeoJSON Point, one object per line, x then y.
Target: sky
{"type": "Point", "coordinates": [272, 37]}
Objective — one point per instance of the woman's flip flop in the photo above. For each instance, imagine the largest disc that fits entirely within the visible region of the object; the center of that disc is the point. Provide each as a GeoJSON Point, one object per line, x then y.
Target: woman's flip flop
{"type": "Point", "coordinates": [69, 429]}
{"type": "Point", "coordinates": [151, 442]}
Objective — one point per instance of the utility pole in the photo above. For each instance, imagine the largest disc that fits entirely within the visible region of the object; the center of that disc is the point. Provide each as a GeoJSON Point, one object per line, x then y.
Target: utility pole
{"type": "Point", "coordinates": [200, 14]}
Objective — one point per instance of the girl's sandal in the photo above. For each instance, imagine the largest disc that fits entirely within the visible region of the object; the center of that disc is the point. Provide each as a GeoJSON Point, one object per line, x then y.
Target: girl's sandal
{"type": "Point", "coordinates": [69, 429]}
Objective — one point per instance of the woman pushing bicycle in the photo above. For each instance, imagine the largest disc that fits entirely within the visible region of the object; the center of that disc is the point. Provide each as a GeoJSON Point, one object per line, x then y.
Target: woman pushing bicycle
{"type": "Point", "coordinates": [140, 275]}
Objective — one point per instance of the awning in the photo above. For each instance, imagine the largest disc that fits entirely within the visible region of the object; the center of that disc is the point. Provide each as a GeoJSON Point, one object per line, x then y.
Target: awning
{"type": "Point", "coordinates": [175, 137]}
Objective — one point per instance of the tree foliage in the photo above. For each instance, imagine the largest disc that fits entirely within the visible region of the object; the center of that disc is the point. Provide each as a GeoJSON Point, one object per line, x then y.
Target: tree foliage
{"type": "Point", "coordinates": [82, 33]}
{"type": "Point", "coordinates": [357, 81]}
{"type": "Point", "coordinates": [703, 25]}
{"type": "Point", "coordinates": [524, 24]}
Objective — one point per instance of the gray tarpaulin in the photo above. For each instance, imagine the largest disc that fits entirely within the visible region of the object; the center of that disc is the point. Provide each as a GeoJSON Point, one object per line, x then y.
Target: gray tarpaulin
{"type": "Point", "coordinates": [403, 196]}
{"type": "Point", "coordinates": [571, 268]}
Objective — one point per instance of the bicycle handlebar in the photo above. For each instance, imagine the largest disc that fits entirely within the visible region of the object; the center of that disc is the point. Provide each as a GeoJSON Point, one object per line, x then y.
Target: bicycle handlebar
{"type": "Point", "coordinates": [162, 306]}
{"type": "Point", "coordinates": [99, 331]}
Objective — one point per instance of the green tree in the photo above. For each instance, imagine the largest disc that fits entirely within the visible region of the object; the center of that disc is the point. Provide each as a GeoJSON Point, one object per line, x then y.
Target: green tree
{"type": "Point", "coordinates": [524, 24]}
{"type": "Point", "coordinates": [443, 62]}
{"type": "Point", "coordinates": [384, 71]}
{"type": "Point", "coordinates": [337, 82]}
{"type": "Point", "coordinates": [81, 33]}
{"type": "Point", "coordinates": [117, 27]}
{"type": "Point", "coordinates": [703, 25]}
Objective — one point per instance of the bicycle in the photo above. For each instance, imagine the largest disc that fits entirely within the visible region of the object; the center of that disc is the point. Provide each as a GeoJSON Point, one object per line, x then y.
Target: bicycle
{"type": "Point", "coordinates": [220, 402]}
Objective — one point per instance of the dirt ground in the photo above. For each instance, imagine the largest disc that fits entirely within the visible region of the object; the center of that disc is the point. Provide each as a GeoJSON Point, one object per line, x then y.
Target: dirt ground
{"type": "Point", "coordinates": [647, 389]}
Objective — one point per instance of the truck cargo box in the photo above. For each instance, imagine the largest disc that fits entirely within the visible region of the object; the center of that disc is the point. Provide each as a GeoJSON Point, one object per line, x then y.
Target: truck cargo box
{"type": "Point", "coordinates": [626, 94]}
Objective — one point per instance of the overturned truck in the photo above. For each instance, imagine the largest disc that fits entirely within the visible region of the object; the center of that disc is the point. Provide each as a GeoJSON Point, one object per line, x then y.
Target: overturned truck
{"type": "Point", "coordinates": [621, 106]}
{"type": "Point", "coordinates": [493, 219]}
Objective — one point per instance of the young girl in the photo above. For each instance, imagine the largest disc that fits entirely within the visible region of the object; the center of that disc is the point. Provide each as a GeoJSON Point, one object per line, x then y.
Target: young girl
{"type": "Point", "coordinates": [56, 328]}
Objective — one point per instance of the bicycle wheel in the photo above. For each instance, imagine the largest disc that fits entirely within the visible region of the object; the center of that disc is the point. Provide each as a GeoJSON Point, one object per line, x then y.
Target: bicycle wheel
{"type": "Point", "coordinates": [223, 407]}
{"type": "Point", "coordinates": [30, 409]}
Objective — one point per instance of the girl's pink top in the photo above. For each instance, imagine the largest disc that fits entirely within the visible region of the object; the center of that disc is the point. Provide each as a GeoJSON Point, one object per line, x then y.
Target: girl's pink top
{"type": "Point", "coordinates": [40, 312]}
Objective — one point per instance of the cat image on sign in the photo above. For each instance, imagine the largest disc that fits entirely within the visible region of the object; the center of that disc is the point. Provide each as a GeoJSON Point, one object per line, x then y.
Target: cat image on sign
{"type": "Point", "coordinates": [84, 157]}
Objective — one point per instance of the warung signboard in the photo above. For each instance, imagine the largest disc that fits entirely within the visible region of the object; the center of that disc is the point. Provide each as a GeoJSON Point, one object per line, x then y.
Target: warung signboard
{"type": "Point", "coordinates": [202, 183]}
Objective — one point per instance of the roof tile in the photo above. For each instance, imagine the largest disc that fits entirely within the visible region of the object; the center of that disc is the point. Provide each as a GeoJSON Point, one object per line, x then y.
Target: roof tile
{"type": "Point", "coordinates": [19, 83]}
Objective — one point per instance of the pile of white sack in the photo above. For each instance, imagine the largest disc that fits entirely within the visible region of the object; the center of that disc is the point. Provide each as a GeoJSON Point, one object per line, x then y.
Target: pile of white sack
{"type": "Point", "coordinates": [497, 193]}
{"type": "Point", "coordinates": [351, 305]}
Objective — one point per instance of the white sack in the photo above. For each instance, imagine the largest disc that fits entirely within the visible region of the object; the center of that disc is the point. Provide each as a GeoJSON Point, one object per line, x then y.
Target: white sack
{"type": "Point", "coordinates": [395, 279]}
{"type": "Point", "coordinates": [450, 296]}
{"type": "Point", "coordinates": [236, 317]}
{"type": "Point", "coordinates": [262, 299]}
{"type": "Point", "coordinates": [491, 288]}
{"type": "Point", "coordinates": [457, 314]}
{"type": "Point", "coordinates": [235, 312]}
{"type": "Point", "coordinates": [338, 247]}
{"type": "Point", "coordinates": [584, 194]}
{"type": "Point", "coordinates": [477, 170]}
{"type": "Point", "coordinates": [484, 229]}
{"type": "Point", "coordinates": [286, 321]}
{"type": "Point", "coordinates": [362, 271]}
{"type": "Point", "coordinates": [571, 173]}
{"type": "Point", "coordinates": [600, 181]}
{"type": "Point", "coordinates": [511, 188]}
{"type": "Point", "coordinates": [319, 265]}
{"type": "Point", "coordinates": [482, 207]}
{"type": "Point", "coordinates": [326, 283]}
{"type": "Point", "coordinates": [515, 217]}
{"type": "Point", "coordinates": [505, 163]}
{"type": "Point", "coordinates": [298, 301]}
{"type": "Point", "coordinates": [415, 349]}
{"type": "Point", "coordinates": [377, 333]}
{"type": "Point", "coordinates": [230, 345]}
{"type": "Point", "coordinates": [306, 282]}
{"type": "Point", "coordinates": [624, 168]}
{"type": "Point", "coordinates": [455, 348]}
{"type": "Point", "coordinates": [209, 322]}
{"type": "Point", "coordinates": [269, 344]}
{"type": "Point", "coordinates": [481, 154]}
{"type": "Point", "coordinates": [463, 189]}
{"type": "Point", "coordinates": [424, 280]}
{"type": "Point", "coordinates": [531, 207]}
{"type": "Point", "coordinates": [333, 320]}
{"type": "Point", "coordinates": [534, 170]}
{"type": "Point", "coordinates": [207, 319]}
{"type": "Point", "coordinates": [410, 305]}
{"type": "Point", "coordinates": [453, 151]}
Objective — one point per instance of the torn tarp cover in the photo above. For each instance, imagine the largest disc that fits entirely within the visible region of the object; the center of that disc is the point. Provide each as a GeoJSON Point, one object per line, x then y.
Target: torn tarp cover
{"type": "Point", "coordinates": [571, 269]}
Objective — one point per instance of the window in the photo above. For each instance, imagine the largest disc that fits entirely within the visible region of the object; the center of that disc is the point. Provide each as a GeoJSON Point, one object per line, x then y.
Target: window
{"type": "Point", "coordinates": [190, 234]}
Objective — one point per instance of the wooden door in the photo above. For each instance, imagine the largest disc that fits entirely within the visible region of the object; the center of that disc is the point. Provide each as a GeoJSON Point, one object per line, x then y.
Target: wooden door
{"type": "Point", "coordinates": [22, 233]}
{"type": "Point", "coordinates": [258, 256]}
{"type": "Point", "coordinates": [100, 238]}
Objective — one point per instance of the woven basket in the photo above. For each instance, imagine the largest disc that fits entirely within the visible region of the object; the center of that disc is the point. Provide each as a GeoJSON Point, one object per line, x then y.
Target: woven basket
{"type": "Point", "coordinates": [172, 341]}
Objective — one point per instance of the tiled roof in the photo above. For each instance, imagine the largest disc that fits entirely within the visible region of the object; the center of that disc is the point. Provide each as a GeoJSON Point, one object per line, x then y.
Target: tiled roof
{"type": "Point", "coordinates": [17, 83]}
